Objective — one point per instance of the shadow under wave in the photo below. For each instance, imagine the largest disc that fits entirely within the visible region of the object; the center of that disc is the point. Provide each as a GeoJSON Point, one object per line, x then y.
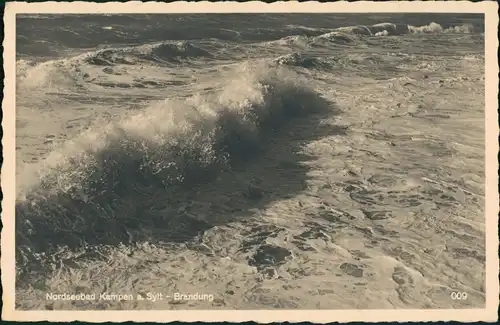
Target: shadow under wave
{"type": "Point", "coordinates": [132, 181]}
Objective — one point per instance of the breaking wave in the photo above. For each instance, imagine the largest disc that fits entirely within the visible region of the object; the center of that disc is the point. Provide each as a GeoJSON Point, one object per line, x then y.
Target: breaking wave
{"type": "Point", "coordinates": [434, 28]}
{"type": "Point", "coordinates": [87, 185]}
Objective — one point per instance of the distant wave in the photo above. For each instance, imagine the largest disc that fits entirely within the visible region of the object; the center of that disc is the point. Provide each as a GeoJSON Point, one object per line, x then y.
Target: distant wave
{"type": "Point", "coordinates": [295, 40]}
{"type": "Point", "coordinates": [348, 35]}
{"type": "Point", "coordinates": [388, 29]}
{"type": "Point", "coordinates": [164, 51]}
{"type": "Point", "coordinates": [46, 75]}
{"type": "Point", "coordinates": [385, 29]}
{"type": "Point", "coordinates": [295, 59]}
{"type": "Point", "coordinates": [297, 32]}
{"type": "Point", "coordinates": [337, 37]}
{"type": "Point", "coordinates": [86, 185]}
{"type": "Point", "coordinates": [270, 34]}
{"type": "Point", "coordinates": [68, 71]}
{"type": "Point", "coordinates": [305, 31]}
{"type": "Point", "coordinates": [331, 37]}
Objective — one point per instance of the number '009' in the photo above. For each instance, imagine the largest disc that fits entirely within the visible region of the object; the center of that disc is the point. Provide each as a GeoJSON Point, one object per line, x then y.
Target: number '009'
{"type": "Point", "coordinates": [459, 295]}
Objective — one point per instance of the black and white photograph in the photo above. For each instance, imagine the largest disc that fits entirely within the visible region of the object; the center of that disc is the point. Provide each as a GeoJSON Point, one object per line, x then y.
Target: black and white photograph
{"type": "Point", "coordinates": [250, 161]}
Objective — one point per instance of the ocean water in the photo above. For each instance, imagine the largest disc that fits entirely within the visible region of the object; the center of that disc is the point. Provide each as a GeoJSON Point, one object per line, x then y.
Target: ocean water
{"type": "Point", "coordinates": [317, 161]}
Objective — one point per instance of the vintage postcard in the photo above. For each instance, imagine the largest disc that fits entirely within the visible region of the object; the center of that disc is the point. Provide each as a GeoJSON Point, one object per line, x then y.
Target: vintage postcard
{"type": "Point", "coordinates": [258, 162]}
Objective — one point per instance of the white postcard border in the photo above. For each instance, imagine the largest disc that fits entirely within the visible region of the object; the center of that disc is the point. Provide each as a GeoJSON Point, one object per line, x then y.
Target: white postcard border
{"type": "Point", "coordinates": [489, 313]}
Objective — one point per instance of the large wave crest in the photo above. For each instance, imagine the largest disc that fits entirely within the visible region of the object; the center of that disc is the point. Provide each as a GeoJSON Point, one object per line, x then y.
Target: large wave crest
{"type": "Point", "coordinates": [86, 185]}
